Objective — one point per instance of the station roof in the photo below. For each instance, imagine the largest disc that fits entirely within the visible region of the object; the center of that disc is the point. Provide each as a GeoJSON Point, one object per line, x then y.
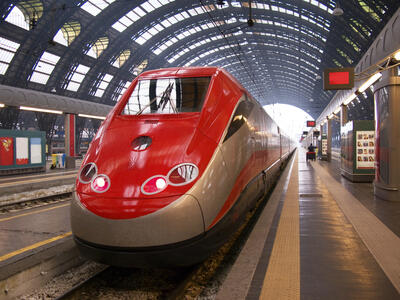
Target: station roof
{"type": "Point", "coordinates": [93, 49]}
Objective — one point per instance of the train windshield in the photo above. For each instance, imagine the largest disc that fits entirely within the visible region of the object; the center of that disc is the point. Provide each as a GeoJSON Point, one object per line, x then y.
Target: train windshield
{"type": "Point", "coordinates": [167, 96]}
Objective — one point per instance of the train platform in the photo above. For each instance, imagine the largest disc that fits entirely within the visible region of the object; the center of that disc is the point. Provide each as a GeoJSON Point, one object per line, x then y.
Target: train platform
{"type": "Point", "coordinates": [25, 183]}
{"type": "Point", "coordinates": [319, 237]}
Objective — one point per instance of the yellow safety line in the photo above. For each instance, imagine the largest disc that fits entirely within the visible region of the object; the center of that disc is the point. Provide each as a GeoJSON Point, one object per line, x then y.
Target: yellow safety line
{"type": "Point", "coordinates": [14, 253]}
{"type": "Point", "coordinates": [35, 180]}
{"type": "Point", "coordinates": [33, 212]}
{"type": "Point", "coordinates": [282, 280]}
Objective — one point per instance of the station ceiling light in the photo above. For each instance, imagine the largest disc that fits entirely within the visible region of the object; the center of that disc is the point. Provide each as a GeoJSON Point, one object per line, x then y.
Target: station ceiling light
{"type": "Point", "coordinates": [396, 56]}
{"type": "Point", "coordinates": [369, 82]}
{"type": "Point", "coordinates": [1, 105]}
{"type": "Point", "coordinates": [91, 116]}
{"type": "Point", "coordinates": [349, 99]}
{"type": "Point", "coordinates": [59, 112]}
{"type": "Point", "coordinates": [337, 110]}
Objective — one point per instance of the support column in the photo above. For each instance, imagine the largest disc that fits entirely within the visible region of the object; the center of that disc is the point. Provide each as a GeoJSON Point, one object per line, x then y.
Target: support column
{"type": "Point", "coordinates": [70, 143]}
{"type": "Point", "coordinates": [387, 136]}
{"type": "Point", "coordinates": [329, 139]}
{"type": "Point", "coordinates": [344, 117]}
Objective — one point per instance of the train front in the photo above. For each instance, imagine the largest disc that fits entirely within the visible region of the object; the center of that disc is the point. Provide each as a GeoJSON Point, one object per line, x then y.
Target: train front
{"type": "Point", "coordinates": [131, 206]}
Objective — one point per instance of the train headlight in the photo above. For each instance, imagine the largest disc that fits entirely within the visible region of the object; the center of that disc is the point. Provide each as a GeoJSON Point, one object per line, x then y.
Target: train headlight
{"type": "Point", "coordinates": [182, 174]}
{"type": "Point", "coordinates": [101, 183]}
{"type": "Point", "coordinates": [88, 172]}
{"type": "Point", "coordinates": [154, 185]}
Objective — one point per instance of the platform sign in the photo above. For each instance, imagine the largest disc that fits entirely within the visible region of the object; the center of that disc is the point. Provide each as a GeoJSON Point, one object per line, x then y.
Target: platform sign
{"type": "Point", "coordinates": [338, 78]}
{"type": "Point", "coordinates": [310, 123]}
{"type": "Point", "coordinates": [365, 150]}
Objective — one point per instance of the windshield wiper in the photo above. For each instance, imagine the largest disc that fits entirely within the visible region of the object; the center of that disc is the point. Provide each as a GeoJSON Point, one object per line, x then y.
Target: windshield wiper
{"type": "Point", "coordinates": [165, 96]}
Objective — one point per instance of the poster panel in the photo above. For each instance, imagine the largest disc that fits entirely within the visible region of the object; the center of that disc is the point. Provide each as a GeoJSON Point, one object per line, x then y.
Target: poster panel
{"type": "Point", "coordinates": [6, 151]}
{"type": "Point", "coordinates": [22, 151]}
{"type": "Point", "coordinates": [365, 150]}
{"type": "Point", "coordinates": [324, 147]}
{"type": "Point", "coordinates": [36, 151]}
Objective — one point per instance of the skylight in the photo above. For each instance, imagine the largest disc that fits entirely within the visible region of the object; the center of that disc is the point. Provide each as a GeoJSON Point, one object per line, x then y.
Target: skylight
{"type": "Point", "coordinates": [98, 47]}
{"type": "Point", "coordinates": [94, 7]}
{"type": "Point", "coordinates": [137, 13]}
{"type": "Point", "coordinates": [25, 14]}
{"type": "Point", "coordinates": [103, 85]}
{"type": "Point", "coordinates": [122, 58]}
{"type": "Point", "coordinates": [66, 35]}
{"type": "Point", "coordinates": [77, 77]}
{"type": "Point", "coordinates": [7, 52]}
{"type": "Point", "coordinates": [44, 68]}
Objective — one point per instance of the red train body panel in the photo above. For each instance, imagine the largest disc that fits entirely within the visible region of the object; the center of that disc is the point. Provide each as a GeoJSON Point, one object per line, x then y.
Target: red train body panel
{"type": "Point", "coordinates": [183, 153]}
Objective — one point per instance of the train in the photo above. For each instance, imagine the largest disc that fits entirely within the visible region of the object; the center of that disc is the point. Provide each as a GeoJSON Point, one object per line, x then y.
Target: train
{"type": "Point", "coordinates": [173, 169]}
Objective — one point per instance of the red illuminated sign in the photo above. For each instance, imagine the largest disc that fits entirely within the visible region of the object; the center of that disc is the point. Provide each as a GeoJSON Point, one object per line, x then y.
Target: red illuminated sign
{"type": "Point", "coordinates": [338, 78]}
{"type": "Point", "coordinates": [310, 123]}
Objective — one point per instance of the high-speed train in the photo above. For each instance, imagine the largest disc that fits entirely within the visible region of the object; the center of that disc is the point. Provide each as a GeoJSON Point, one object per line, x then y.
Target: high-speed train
{"type": "Point", "coordinates": [174, 168]}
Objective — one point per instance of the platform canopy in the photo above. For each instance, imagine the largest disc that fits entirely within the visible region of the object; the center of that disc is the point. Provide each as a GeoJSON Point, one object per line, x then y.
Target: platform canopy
{"type": "Point", "coordinates": [277, 49]}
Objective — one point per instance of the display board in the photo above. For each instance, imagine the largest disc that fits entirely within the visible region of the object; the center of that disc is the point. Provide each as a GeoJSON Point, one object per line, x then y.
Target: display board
{"type": "Point", "coordinates": [36, 151]}
{"type": "Point", "coordinates": [365, 152]}
{"type": "Point", "coordinates": [22, 150]}
{"type": "Point", "coordinates": [6, 151]}
{"type": "Point", "coordinates": [324, 150]}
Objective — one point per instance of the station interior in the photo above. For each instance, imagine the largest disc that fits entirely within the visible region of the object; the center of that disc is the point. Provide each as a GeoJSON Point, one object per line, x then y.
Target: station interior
{"type": "Point", "coordinates": [325, 223]}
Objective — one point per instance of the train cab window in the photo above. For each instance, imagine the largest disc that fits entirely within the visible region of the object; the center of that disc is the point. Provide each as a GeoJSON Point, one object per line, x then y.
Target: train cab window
{"type": "Point", "coordinates": [167, 96]}
{"type": "Point", "coordinates": [240, 117]}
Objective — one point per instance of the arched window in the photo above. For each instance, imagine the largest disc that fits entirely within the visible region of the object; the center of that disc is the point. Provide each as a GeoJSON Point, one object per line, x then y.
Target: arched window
{"type": "Point", "coordinates": [98, 47]}
{"type": "Point", "coordinates": [26, 14]}
{"type": "Point", "coordinates": [139, 69]}
{"type": "Point", "coordinates": [122, 58]}
{"type": "Point", "coordinates": [68, 33]}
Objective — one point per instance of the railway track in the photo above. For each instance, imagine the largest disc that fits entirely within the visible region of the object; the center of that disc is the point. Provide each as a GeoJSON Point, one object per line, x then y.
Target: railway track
{"type": "Point", "coordinates": [16, 205]}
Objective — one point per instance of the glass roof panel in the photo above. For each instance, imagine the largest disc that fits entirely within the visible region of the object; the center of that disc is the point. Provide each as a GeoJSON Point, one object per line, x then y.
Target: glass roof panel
{"type": "Point", "coordinates": [7, 52]}
{"type": "Point", "coordinates": [44, 67]}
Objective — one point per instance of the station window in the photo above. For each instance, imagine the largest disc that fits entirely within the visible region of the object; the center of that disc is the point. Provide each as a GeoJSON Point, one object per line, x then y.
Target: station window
{"type": "Point", "coordinates": [7, 52]}
{"type": "Point", "coordinates": [167, 95]}
{"type": "Point", "coordinates": [103, 85]}
{"type": "Point", "coordinates": [98, 47]}
{"type": "Point", "coordinates": [138, 12]}
{"type": "Point", "coordinates": [94, 7]}
{"type": "Point", "coordinates": [122, 58]}
{"type": "Point", "coordinates": [77, 77]}
{"type": "Point", "coordinates": [44, 68]}
{"type": "Point", "coordinates": [26, 14]}
{"type": "Point", "coordinates": [67, 34]}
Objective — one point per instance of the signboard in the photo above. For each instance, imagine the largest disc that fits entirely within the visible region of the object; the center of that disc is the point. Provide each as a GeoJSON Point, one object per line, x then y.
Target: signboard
{"type": "Point", "coordinates": [324, 147]}
{"type": "Point", "coordinates": [338, 78]}
{"type": "Point", "coordinates": [310, 123]}
{"type": "Point", "coordinates": [365, 150]}
{"type": "Point", "coordinates": [315, 133]}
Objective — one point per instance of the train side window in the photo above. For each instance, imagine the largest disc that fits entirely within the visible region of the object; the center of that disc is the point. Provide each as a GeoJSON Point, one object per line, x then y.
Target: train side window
{"type": "Point", "coordinates": [240, 116]}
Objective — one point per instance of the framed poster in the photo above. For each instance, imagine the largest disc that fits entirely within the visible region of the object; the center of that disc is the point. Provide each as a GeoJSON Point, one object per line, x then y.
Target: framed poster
{"type": "Point", "coordinates": [36, 151]}
{"type": "Point", "coordinates": [365, 150]}
{"type": "Point", "coordinates": [6, 151]}
{"type": "Point", "coordinates": [22, 151]}
{"type": "Point", "coordinates": [324, 147]}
